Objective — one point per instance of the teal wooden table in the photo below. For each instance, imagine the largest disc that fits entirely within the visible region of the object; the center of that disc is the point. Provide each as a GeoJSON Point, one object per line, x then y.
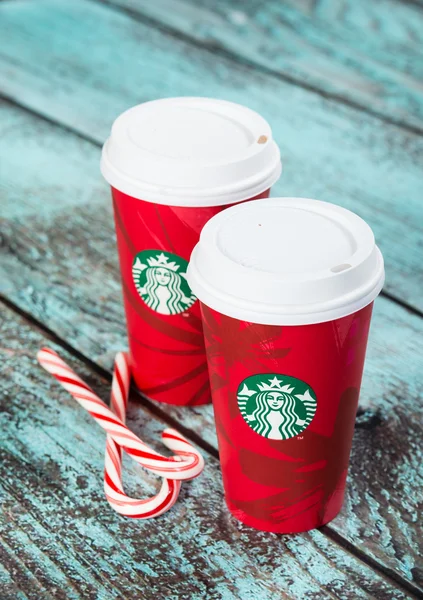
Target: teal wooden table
{"type": "Point", "coordinates": [340, 81]}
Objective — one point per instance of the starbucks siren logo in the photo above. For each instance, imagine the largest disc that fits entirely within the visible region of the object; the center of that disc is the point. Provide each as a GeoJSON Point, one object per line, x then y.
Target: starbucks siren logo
{"type": "Point", "coordinates": [277, 407]}
{"type": "Point", "coordinates": [160, 279]}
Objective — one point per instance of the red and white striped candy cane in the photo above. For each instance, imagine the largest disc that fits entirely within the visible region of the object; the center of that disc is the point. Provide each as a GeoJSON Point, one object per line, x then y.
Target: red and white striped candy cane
{"type": "Point", "coordinates": [113, 487]}
{"type": "Point", "coordinates": [186, 465]}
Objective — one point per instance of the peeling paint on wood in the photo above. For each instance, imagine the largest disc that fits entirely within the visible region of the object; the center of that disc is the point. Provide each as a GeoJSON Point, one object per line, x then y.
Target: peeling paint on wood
{"type": "Point", "coordinates": [60, 265]}
{"type": "Point", "coordinates": [330, 151]}
{"type": "Point", "coordinates": [365, 53]}
{"type": "Point", "coordinates": [60, 539]}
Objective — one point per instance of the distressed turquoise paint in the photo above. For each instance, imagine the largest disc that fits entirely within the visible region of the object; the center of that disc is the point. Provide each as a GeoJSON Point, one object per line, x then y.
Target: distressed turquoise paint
{"type": "Point", "coordinates": [367, 53]}
{"type": "Point", "coordinates": [66, 541]}
{"type": "Point", "coordinates": [43, 255]}
{"type": "Point", "coordinates": [58, 240]}
{"type": "Point", "coordinates": [9, 587]}
{"type": "Point", "coordinates": [330, 151]}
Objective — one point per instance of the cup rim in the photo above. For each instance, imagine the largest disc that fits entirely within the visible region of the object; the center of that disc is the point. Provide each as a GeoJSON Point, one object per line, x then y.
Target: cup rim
{"type": "Point", "coordinates": [188, 197]}
{"type": "Point", "coordinates": [191, 151]}
{"type": "Point", "coordinates": [265, 297]}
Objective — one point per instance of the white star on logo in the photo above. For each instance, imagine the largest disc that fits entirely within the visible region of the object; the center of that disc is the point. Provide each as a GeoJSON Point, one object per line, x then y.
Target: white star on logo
{"type": "Point", "coordinates": [162, 258]}
{"type": "Point", "coordinates": [275, 381]}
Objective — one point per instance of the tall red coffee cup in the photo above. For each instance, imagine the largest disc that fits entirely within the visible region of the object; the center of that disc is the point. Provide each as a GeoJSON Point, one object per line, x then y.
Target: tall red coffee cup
{"type": "Point", "coordinates": [172, 165]}
{"type": "Point", "coordinates": [286, 288]}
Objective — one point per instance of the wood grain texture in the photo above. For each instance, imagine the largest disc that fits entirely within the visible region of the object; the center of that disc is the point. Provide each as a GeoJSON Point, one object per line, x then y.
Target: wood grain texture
{"type": "Point", "coordinates": [60, 265]}
{"type": "Point", "coordinates": [60, 539]}
{"type": "Point", "coordinates": [365, 53]}
{"type": "Point", "coordinates": [330, 151]}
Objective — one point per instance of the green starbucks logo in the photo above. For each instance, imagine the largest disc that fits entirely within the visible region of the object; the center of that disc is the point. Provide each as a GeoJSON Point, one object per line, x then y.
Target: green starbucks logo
{"type": "Point", "coordinates": [160, 279]}
{"type": "Point", "coordinates": [277, 407]}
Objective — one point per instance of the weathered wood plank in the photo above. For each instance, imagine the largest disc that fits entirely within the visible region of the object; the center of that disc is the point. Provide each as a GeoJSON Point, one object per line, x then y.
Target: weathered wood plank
{"type": "Point", "coordinates": [330, 151]}
{"type": "Point", "coordinates": [67, 543]}
{"type": "Point", "coordinates": [60, 265]}
{"type": "Point", "coordinates": [8, 577]}
{"type": "Point", "coordinates": [366, 53]}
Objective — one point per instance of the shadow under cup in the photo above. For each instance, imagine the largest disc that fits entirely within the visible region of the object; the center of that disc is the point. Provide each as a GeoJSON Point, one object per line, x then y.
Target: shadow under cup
{"type": "Point", "coordinates": [286, 288]}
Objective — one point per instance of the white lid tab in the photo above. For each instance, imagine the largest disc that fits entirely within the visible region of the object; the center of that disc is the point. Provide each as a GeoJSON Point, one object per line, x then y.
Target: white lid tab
{"type": "Point", "coordinates": [286, 261]}
{"type": "Point", "coordinates": [191, 152]}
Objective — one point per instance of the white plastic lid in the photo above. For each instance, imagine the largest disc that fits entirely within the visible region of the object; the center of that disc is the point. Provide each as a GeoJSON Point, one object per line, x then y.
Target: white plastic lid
{"type": "Point", "coordinates": [286, 261]}
{"type": "Point", "coordinates": [191, 152]}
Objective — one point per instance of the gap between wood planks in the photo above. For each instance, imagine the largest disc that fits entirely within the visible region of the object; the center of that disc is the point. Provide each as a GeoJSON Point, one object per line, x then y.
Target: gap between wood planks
{"type": "Point", "coordinates": [105, 374]}
{"type": "Point", "coordinates": [216, 48]}
{"type": "Point", "coordinates": [12, 101]}
{"type": "Point", "coordinates": [418, 3]}
{"type": "Point", "coordinates": [338, 539]}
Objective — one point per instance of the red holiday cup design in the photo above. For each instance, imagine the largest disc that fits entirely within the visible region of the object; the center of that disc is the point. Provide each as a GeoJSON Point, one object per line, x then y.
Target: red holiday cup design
{"type": "Point", "coordinates": [166, 342]}
{"type": "Point", "coordinates": [285, 400]}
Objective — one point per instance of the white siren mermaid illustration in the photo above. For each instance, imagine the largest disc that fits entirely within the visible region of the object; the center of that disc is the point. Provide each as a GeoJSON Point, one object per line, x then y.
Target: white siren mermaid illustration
{"type": "Point", "coordinates": [160, 279]}
{"type": "Point", "coordinates": [277, 407]}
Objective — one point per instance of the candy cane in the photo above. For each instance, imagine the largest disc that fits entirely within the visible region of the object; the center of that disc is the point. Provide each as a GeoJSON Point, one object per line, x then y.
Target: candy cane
{"type": "Point", "coordinates": [113, 487]}
{"type": "Point", "coordinates": [186, 465]}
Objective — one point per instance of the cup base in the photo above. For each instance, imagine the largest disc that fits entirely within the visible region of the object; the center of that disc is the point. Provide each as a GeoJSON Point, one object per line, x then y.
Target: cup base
{"type": "Point", "coordinates": [170, 396]}
{"type": "Point", "coordinates": [283, 528]}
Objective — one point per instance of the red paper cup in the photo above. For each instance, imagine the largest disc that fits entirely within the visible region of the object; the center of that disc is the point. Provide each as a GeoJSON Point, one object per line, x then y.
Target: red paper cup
{"type": "Point", "coordinates": [173, 164]}
{"type": "Point", "coordinates": [286, 289]}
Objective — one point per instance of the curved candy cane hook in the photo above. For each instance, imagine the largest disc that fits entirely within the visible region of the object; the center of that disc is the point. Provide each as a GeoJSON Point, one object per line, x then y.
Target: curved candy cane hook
{"type": "Point", "coordinates": [187, 464]}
